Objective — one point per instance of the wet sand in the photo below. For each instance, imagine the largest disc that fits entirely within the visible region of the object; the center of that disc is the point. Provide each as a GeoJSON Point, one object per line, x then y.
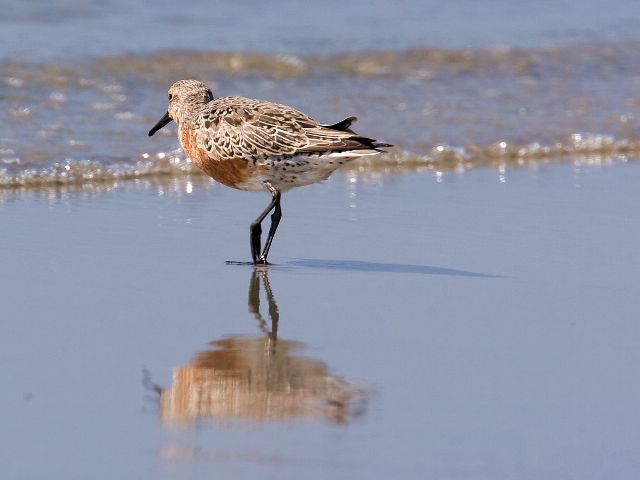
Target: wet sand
{"type": "Point", "coordinates": [475, 325]}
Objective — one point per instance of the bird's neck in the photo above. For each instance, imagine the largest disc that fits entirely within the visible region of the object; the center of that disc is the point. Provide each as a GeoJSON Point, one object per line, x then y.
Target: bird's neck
{"type": "Point", "coordinates": [186, 115]}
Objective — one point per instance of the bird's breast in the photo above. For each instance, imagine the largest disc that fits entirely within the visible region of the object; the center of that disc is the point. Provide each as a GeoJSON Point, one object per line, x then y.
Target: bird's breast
{"type": "Point", "coordinates": [233, 172]}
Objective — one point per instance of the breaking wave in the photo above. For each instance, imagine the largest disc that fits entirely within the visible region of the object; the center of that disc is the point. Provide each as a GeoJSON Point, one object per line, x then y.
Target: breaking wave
{"type": "Point", "coordinates": [585, 149]}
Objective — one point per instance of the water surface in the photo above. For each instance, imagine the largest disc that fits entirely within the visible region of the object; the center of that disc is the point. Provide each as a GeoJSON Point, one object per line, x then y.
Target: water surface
{"type": "Point", "coordinates": [464, 306]}
{"type": "Point", "coordinates": [510, 352]}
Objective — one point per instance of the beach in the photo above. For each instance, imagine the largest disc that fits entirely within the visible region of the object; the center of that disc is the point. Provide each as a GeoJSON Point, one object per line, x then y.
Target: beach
{"type": "Point", "coordinates": [464, 306]}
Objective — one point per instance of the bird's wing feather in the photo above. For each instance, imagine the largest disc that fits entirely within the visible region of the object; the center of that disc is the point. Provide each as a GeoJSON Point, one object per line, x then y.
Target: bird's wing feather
{"type": "Point", "coordinates": [235, 127]}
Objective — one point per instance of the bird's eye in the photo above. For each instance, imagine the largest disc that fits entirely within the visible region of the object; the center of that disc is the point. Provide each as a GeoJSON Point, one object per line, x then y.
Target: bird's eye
{"type": "Point", "coordinates": [170, 96]}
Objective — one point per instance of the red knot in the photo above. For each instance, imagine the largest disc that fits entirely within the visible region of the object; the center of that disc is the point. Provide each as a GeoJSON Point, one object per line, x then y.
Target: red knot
{"type": "Point", "coordinates": [259, 145]}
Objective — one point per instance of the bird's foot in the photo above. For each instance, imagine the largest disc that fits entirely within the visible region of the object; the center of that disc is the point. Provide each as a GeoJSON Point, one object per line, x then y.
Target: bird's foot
{"type": "Point", "coordinates": [262, 261]}
{"type": "Point", "coordinates": [258, 262]}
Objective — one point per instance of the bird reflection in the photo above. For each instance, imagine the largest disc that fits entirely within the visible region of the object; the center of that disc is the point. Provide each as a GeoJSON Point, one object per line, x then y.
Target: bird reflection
{"type": "Point", "coordinates": [258, 378]}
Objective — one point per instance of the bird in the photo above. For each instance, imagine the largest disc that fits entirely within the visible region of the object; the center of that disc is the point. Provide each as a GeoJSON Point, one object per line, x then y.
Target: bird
{"type": "Point", "coordinates": [258, 145]}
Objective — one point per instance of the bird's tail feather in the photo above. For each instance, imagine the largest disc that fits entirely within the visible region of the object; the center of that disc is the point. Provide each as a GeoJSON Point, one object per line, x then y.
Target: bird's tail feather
{"type": "Point", "coordinates": [343, 126]}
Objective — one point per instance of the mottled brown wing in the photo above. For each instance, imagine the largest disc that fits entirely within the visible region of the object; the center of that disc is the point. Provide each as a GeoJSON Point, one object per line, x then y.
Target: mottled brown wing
{"type": "Point", "coordinates": [235, 127]}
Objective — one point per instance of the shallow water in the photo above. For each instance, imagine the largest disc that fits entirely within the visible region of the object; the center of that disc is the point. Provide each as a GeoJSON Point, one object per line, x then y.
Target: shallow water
{"type": "Point", "coordinates": [485, 329]}
{"type": "Point", "coordinates": [464, 306]}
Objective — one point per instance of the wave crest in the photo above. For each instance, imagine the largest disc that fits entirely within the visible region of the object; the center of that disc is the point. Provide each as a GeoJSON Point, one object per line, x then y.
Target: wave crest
{"type": "Point", "coordinates": [580, 148]}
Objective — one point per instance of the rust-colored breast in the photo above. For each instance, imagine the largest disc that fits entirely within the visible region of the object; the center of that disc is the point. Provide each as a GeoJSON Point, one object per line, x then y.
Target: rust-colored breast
{"type": "Point", "coordinates": [233, 172]}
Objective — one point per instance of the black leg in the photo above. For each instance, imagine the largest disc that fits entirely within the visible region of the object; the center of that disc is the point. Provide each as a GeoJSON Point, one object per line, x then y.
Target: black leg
{"type": "Point", "coordinates": [275, 220]}
{"type": "Point", "coordinates": [254, 237]}
{"type": "Point", "coordinates": [256, 228]}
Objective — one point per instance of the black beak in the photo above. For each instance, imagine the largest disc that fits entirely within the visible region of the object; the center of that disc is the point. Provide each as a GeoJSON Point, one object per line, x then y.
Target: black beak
{"type": "Point", "coordinates": [163, 121]}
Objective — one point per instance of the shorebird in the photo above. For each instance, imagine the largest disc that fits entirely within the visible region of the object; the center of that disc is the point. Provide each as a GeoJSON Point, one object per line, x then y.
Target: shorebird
{"type": "Point", "coordinates": [259, 145]}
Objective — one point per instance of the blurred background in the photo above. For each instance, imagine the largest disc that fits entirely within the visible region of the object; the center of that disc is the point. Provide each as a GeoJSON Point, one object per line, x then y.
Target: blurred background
{"type": "Point", "coordinates": [452, 84]}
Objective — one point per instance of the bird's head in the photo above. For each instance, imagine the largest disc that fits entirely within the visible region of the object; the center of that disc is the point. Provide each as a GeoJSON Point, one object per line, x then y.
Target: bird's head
{"type": "Point", "coordinates": [186, 97]}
